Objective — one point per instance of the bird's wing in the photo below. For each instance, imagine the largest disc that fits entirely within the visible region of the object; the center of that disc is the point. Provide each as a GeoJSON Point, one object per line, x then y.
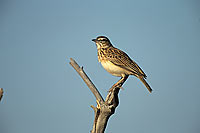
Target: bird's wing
{"type": "Point", "coordinates": [123, 60]}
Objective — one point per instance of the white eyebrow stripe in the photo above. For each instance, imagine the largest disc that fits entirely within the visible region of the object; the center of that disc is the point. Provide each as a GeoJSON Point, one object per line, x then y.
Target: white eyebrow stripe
{"type": "Point", "coordinates": [101, 39]}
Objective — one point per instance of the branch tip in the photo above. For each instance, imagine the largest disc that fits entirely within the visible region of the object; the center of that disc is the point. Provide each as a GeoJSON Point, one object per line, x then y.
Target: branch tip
{"type": "Point", "coordinates": [94, 108]}
{"type": "Point", "coordinates": [71, 59]}
{"type": "Point", "coordinates": [1, 93]}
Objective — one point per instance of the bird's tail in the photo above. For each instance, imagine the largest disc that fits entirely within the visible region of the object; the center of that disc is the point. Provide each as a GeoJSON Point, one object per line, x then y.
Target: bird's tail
{"type": "Point", "coordinates": [145, 83]}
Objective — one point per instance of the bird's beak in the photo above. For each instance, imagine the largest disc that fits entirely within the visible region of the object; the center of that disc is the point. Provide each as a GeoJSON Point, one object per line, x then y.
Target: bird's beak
{"type": "Point", "coordinates": [94, 40]}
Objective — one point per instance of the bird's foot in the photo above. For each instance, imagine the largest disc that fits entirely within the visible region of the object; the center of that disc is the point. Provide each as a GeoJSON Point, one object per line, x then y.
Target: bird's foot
{"type": "Point", "coordinates": [111, 89]}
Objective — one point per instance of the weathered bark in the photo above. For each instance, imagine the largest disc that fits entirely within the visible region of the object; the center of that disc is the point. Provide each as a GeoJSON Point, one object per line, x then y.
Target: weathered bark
{"type": "Point", "coordinates": [1, 93]}
{"type": "Point", "coordinates": [86, 80]}
{"type": "Point", "coordinates": [104, 109]}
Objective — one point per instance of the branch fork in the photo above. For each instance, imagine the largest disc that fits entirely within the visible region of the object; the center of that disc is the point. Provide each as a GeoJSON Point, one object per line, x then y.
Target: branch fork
{"type": "Point", "coordinates": [105, 108]}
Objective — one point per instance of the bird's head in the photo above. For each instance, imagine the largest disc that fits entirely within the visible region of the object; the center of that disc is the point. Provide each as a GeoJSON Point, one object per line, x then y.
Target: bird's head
{"type": "Point", "coordinates": [102, 42]}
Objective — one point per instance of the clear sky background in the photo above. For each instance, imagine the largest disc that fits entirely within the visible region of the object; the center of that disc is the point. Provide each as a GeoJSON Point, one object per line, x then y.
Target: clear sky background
{"type": "Point", "coordinates": [43, 93]}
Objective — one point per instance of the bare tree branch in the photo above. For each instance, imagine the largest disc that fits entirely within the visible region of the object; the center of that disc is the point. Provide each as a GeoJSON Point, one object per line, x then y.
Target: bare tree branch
{"type": "Point", "coordinates": [104, 109]}
{"type": "Point", "coordinates": [1, 93]}
{"type": "Point", "coordinates": [86, 80]}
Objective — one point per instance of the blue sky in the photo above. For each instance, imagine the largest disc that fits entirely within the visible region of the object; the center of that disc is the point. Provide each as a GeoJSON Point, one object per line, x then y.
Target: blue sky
{"type": "Point", "coordinates": [43, 94]}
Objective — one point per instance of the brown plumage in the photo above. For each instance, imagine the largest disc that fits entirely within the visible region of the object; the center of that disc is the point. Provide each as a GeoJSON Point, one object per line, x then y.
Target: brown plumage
{"type": "Point", "coordinates": [117, 62]}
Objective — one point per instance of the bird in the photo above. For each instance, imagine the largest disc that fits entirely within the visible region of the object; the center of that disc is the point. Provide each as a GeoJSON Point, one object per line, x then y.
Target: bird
{"type": "Point", "coordinates": [117, 62]}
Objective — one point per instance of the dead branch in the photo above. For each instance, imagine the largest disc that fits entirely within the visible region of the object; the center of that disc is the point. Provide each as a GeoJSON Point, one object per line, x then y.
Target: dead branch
{"type": "Point", "coordinates": [104, 109]}
{"type": "Point", "coordinates": [86, 80]}
{"type": "Point", "coordinates": [1, 93]}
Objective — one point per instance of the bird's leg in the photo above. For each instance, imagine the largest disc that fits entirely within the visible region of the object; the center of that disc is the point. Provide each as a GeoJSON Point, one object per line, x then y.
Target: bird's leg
{"type": "Point", "coordinates": [119, 83]}
{"type": "Point", "coordinates": [116, 84]}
